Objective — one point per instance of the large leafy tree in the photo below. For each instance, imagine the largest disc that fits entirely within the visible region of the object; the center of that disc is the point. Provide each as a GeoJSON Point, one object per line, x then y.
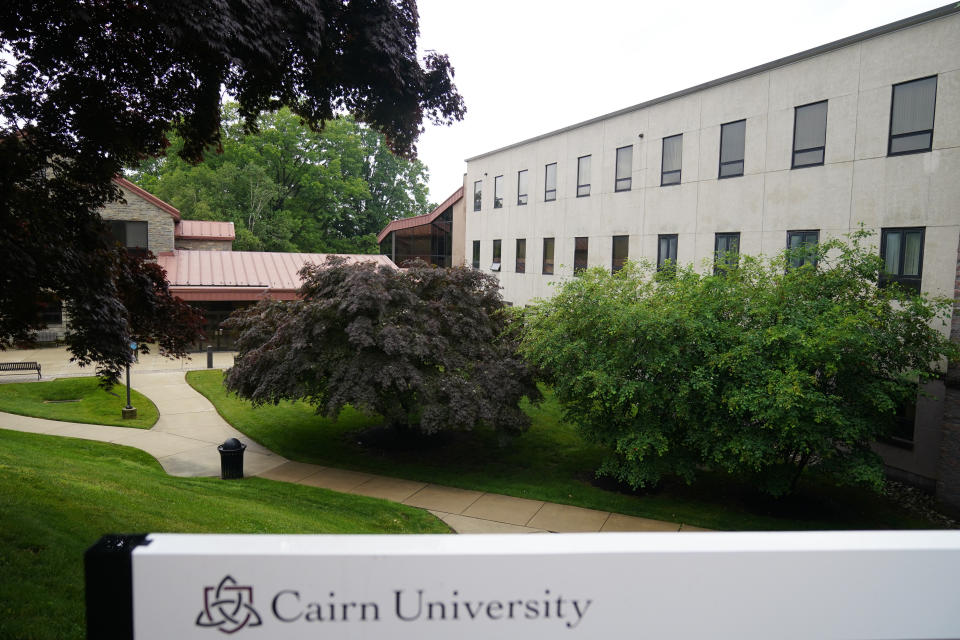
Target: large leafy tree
{"type": "Point", "coordinates": [95, 86]}
{"type": "Point", "coordinates": [760, 370]}
{"type": "Point", "coordinates": [427, 348]}
{"type": "Point", "coordinates": [289, 188]}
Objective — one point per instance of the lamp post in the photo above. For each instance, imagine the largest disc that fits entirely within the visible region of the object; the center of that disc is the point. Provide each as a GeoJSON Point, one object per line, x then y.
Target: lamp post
{"type": "Point", "coordinates": [129, 411]}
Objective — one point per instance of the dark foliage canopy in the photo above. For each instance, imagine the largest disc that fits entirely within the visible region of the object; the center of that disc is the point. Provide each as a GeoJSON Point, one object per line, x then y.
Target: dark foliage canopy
{"type": "Point", "coordinates": [427, 348]}
{"type": "Point", "coordinates": [94, 87]}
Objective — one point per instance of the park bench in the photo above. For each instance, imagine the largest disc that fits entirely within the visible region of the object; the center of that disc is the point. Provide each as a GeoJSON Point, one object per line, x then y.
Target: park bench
{"type": "Point", "coordinates": [16, 367]}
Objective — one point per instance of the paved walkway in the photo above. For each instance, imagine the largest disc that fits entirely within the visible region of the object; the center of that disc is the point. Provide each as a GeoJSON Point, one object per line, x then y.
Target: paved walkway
{"type": "Point", "coordinates": [185, 437]}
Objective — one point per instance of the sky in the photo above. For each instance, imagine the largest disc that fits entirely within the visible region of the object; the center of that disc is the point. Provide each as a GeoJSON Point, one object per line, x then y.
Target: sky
{"type": "Point", "coordinates": [527, 67]}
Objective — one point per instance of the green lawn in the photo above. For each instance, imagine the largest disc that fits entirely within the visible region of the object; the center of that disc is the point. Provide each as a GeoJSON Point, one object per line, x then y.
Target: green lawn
{"type": "Point", "coordinates": [549, 462]}
{"type": "Point", "coordinates": [59, 495]}
{"type": "Point", "coordinates": [95, 406]}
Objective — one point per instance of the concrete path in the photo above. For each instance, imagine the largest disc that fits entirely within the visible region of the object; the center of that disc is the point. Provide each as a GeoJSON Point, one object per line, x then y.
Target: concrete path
{"type": "Point", "coordinates": [186, 436]}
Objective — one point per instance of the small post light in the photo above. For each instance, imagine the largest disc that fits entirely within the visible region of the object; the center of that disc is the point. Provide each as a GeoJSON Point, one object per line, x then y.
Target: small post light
{"type": "Point", "coordinates": [129, 412]}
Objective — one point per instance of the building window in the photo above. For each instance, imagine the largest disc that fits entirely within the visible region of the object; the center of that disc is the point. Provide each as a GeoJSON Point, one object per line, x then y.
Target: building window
{"type": "Point", "coordinates": [666, 251]}
{"type": "Point", "coordinates": [583, 176]}
{"type": "Point", "coordinates": [624, 179]}
{"type": "Point", "coordinates": [803, 248]}
{"type": "Point", "coordinates": [522, 187]}
{"type": "Point", "coordinates": [547, 256]}
{"type": "Point", "coordinates": [495, 262]}
{"type": "Point", "coordinates": [902, 253]}
{"type": "Point", "coordinates": [51, 310]}
{"type": "Point", "coordinates": [476, 254]}
{"type": "Point", "coordinates": [621, 251]}
{"type": "Point", "coordinates": [672, 160]}
{"type": "Point", "coordinates": [132, 235]}
{"type": "Point", "coordinates": [498, 192]}
{"type": "Point", "coordinates": [911, 116]}
{"type": "Point", "coordinates": [550, 183]}
{"type": "Point", "coordinates": [726, 251]}
{"type": "Point", "coordinates": [732, 141]}
{"type": "Point", "coordinates": [477, 194]}
{"type": "Point", "coordinates": [809, 134]}
{"type": "Point", "coordinates": [580, 254]}
{"type": "Point", "coordinates": [521, 266]}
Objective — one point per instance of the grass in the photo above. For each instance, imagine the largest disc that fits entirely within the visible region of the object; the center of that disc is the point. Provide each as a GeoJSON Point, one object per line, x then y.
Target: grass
{"type": "Point", "coordinates": [95, 406]}
{"type": "Point", "coordinates": [550, 462]}
{"type": "Point", "coordinates": [59, 495]}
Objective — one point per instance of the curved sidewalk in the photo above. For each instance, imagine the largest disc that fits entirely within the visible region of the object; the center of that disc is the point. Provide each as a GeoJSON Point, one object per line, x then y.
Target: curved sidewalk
{"type": "Point", "coordinates": [186, 436]}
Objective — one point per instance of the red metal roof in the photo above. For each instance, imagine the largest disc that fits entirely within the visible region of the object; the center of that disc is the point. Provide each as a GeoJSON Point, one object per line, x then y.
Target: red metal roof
{"type": "Point", "coordinates": [149, 197]}
{"type": "Point", "coordinates": [204, 230]}
{"type": "Point", "coordinates": [426, 218]}
{"type": "Point", "coordinates": [243, 275]}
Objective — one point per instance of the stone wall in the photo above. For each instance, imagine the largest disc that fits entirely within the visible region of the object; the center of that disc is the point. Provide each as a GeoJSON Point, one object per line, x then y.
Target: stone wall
{"type": "Point", "coordinates": [159, 222]}
{"type": "Point", "coordinates": [204, 245]}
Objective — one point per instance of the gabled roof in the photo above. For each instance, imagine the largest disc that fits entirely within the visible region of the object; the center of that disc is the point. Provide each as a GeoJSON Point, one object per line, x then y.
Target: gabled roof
{"type": "Point", "coordinates": [204, 230]}
{"type": "Point", "coordinates": [426, 218]}
{"type": "Point", "coordinates": [149, 197]}
{"type": "Point", "coordinates": [243, 275]}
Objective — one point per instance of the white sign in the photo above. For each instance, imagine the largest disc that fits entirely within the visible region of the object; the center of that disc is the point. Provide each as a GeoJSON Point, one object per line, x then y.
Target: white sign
{"type": "Point", "coordinates": [864, 585]}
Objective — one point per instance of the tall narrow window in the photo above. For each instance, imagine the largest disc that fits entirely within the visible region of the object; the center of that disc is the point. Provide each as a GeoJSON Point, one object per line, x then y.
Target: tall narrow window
{"type": "Point", "coordinates": [477, 194]}
{"type": "Point", "coordinates": [802, 246]}
{"type": "Point", "coordinates": [666, 251]}
{"type": "Point", "coordinates": [547, 256]}
{"type": "Point", "coordinates": [733, 136]}
{"type": "Point", "coordinates": [522, 187]}
{"type": "Point", "coordinates": [672, 160]}
{"type": "Point", "coordinates": [809, 134]}
{"type": "Point", "coordinates": [498, 192]}
{"type": "Point", "coordinates": [911, 116]}
{"type": "Point", "coordinates": [902, 253]}
{"type": "Point", "coordinates": [580, 246]}
{"type": "Point", "coordinates": [583, 176]}
{"type": "Point", "coordinates": [621, 251]}
{"type": "Point", "coordinates": [495, 261]}
{"type": "Point", "coordinates": [726, 250]}
{"type": "Point", "coordinates": [624, 179]}
{"type": "Point", "coordinates": [550, 182]}
{"type": "Point", "coordinates": [476, 255]}
{"type": "Point", "coordinates": [521, 266]}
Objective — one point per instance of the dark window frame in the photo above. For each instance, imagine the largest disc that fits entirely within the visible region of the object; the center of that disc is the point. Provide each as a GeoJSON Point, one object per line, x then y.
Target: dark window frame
{"type": "Point", "coordinates": [914, 283]}
{"type": "Point", "coordinates": [496, 255]}
{"type": "Point", "coordinates": [498, 188]}
{"type": "Point", "coordinates": [718, 265]}
{"type": "Point", "coordinates": [123, 228]}
{"type": "Point", "coordinates": [622, 184]}
{"type": "Point", "coordinates": [822, 149]}
{"type": "Point", "coordinates": [933, 119]}
{"type": "Point", "coordinates": [678, 172]}
{"type": "Point", "coordinates": [552, 242]}
{"type": "Point", "coordinates": [549, 195]}
{"type": "Point", "coordinates": [581, 255]}
{"type": "Point", "coordinates": [476, 255]}
{"type": "Point", "coordinates": [520, 261]}
{"type": "Point", "coordinates": [613, 250]}
{"type": "Point", "coordinates": [805, 259]}
{"type": "Point", "coordinates": [661, 260]}
{"type": "Point", "coordinates": [583, 185]}
{"type": "Point", "coordinates": [743, 152]}
{"type": "Point", "coordinates": [523, 196]}
{"type": "Point", "coordinates": [477, 195]}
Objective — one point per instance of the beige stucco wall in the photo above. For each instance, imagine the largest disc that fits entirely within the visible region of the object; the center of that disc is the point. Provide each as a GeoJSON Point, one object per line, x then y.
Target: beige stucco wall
{"type": "Point", "coordinates": [857, 184]}
{"type": "Point", "coordinates": [159, 222]}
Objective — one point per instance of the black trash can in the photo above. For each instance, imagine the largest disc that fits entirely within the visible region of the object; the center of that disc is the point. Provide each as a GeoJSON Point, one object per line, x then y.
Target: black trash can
{"type": "Point", "coordinates": [231, 459]}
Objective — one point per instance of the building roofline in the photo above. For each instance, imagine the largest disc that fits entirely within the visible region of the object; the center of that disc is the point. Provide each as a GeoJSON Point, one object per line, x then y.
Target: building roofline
{"type": "Point", "coordinates": [149, 197]}
{"type": "Point", "coordinates": [426, 218]}
{"type": "Point", "coordinates": [920, 18]}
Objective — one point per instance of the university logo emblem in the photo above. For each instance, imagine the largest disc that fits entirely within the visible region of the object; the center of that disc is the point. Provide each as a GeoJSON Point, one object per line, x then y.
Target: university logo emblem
{"type": "Point", "coordinates": [228, 607]}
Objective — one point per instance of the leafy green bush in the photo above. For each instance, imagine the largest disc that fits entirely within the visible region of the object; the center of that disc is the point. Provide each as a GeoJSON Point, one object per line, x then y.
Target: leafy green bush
{"type": "Point", "coordinates": [760, 370]}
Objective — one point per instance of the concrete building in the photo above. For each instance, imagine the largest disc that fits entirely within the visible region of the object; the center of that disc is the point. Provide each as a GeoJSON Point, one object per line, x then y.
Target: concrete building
{"type": "Point", "coordinates": [862, 130]}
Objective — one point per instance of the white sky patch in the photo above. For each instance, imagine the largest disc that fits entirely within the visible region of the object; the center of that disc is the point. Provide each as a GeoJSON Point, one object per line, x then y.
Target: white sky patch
{"type": "Point", "coordinates": [526, 68]}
